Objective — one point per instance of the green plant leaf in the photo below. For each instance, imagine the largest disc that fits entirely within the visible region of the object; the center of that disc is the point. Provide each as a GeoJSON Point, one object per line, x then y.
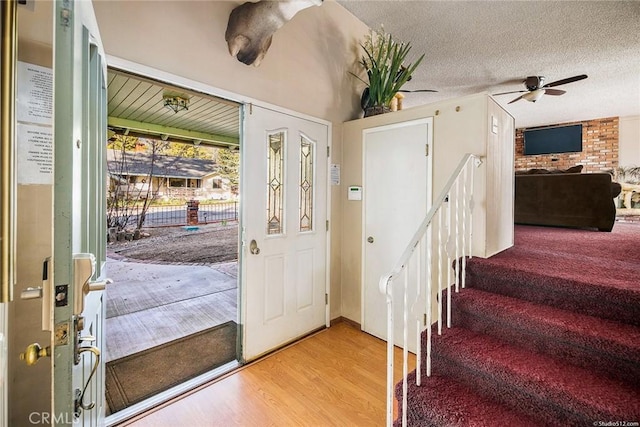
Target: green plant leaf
{"type": "Point", "coordinates": [383, 61]}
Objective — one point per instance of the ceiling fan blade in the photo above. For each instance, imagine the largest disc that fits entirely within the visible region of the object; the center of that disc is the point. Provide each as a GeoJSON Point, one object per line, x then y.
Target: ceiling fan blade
{"type": "Point", "coordinates": [554, 92]}
{"type": "Point", "coordinates": [565, 81]}
{"type": "Point", "coordinates": [417, 90]}
{"type": "Point", "coordinates": [517, 99]}
{"type": "Point", "coordinates": [507, 93]}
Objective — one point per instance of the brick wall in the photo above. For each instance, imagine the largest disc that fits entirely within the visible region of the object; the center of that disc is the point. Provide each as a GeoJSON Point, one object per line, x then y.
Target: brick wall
{"type": "Point", "coordinates": [599, 149]}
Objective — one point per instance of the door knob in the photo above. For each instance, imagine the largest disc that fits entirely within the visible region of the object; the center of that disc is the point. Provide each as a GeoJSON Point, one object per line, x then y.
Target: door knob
{"type": "Point", "coordinates": [370, 239]}
{"type": "Point", "coordinates": [34, 352]}
{"type": "Point", "coordinates": [253, 247]}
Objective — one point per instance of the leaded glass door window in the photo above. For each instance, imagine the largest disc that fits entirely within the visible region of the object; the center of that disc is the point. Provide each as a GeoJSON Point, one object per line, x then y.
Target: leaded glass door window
{"type": "Point", "coordinates": [306, 183]}
{"type": "Point", "coordinates": [276, 146]}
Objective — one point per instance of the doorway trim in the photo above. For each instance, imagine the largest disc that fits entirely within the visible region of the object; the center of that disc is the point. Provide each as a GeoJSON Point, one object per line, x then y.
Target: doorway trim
{"type": "Point", "coordinates": [246, 103]}
{"type": "Point", "coordinates": [429, 196]}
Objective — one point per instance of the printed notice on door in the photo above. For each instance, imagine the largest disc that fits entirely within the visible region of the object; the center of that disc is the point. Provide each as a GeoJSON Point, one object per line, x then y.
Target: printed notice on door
{"type": "Point", "coordinates": [35, 94]}
{"type": "Point", "coordinates": [35, 154]}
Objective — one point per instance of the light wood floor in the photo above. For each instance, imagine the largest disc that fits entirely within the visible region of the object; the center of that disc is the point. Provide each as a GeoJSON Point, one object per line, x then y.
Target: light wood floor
{"type": "Point", "coordinates": [336, 377]}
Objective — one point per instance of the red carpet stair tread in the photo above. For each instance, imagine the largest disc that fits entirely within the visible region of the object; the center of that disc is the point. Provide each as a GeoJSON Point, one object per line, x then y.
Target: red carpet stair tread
{"type": "Point", "coordinates": [527, 275]}
{"type": "Point", "coordinates": [547, 333]}
{"type": "Point", "coordinates": [447, 402]}
{"type": "Point", "coordinates": [533, 383]}
{"type": "Point", "coordinates": [586, 341]}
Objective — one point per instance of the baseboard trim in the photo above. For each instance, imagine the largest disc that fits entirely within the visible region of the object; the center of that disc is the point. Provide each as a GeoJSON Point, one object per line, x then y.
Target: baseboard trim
{"type": "Point", "coordinates": [349, 322]}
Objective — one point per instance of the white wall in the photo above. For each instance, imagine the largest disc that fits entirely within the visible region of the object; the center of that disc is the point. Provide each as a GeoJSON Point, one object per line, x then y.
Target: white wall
{"type": "Point", "coordinates": [460, 126]}
{"type": "Point", "coordinates": [629, 141]}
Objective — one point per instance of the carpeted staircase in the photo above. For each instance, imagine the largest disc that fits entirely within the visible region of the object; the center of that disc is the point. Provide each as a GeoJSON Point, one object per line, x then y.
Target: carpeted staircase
{"type": "Point", "coordinates": [546, 333]}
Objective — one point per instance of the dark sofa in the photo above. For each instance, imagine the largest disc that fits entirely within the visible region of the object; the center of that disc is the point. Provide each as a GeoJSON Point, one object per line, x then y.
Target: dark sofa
{"type": "Point", "coordinates": [566, 199]}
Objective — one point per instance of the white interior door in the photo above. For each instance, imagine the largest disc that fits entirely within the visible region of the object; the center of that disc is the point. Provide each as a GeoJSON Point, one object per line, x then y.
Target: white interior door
{"type": "Point", "coordinates": [284, 223]}
{"type": "Point", "coordinates": [79, 236]}
{"type": "Point", "coordinates": [397, 194]}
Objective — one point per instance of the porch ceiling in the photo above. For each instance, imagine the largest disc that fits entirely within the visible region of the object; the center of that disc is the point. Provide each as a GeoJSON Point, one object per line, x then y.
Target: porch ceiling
{"type": "Point", "coordinates": [135, 107]}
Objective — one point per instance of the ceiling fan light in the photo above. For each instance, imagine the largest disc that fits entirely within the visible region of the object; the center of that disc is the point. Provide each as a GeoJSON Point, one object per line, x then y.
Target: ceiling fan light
{"type": "Point", "coordinates": [534, 95]}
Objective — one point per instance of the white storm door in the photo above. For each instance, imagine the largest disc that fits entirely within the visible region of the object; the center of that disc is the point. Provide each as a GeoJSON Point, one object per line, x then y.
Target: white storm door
{"type": "Point", "coordinates": [283, 258]}
{"type": "Point", "coordinates": [79, 216]}
{"type": "Point", "coordinates": [397, 194]}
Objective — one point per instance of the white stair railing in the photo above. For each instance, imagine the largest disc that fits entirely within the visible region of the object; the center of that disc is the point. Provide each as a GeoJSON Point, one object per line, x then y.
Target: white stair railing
{"type": "Point", "coordinates": [429, 255]}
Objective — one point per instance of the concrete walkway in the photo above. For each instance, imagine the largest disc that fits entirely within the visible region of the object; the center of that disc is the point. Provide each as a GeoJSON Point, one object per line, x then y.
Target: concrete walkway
{"type": "Point", "coordinates": [150, 304]}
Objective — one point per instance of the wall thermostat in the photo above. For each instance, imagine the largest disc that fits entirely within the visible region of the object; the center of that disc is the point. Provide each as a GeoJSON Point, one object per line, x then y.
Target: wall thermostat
{"type": "Point", "coordinates": [354, 193]}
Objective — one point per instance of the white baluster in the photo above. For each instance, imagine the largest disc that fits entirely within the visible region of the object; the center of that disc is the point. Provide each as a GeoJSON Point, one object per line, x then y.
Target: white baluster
{"type": "Point", "coordinates": [390, 355]}
{"type": "Point", "coordinates": [448, 261]}
{"type": "Point", "coordinates": [457, 234]}
{"type": "Point", "coordinates": [464, 225]}
{"type": "Point", "coordinates": [428, 290]}
{"type": "Point", "coordinates": [440, 271]}
{"type": "Point", "coordinates": [418, 310]}
{"type": "Point", "coordinates": [405, 345]}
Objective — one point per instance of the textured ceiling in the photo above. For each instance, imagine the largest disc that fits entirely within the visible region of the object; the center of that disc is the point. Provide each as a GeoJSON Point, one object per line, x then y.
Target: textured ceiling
{"type": "Point", "coordinates": [478, 46]}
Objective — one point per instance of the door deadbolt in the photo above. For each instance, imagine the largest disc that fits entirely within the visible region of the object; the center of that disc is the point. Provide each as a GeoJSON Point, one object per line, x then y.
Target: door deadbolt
{"type": "Point", "coordinates": [370, 239]}
{"type": "Point", "coordinates": [253, 247]}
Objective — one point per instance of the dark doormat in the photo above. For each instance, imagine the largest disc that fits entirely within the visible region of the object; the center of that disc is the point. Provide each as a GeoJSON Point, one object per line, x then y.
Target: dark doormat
{"type": "Point", "coordinates": [139, 376]}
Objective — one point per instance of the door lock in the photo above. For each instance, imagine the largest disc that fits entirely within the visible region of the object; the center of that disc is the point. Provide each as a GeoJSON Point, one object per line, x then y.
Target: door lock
{"type": "Point", "coordinates": [43, 292]}
{"type": "Point", "coordinates": [253, 247]}
{"type": "Point", "coordinates": [84, 267]}
{"type": "Point", "coordinates": [34, 352]}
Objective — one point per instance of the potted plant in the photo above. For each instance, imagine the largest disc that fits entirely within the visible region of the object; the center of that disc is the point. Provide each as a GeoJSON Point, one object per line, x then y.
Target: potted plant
{"type": "Point", "coordinates": [383, 61]}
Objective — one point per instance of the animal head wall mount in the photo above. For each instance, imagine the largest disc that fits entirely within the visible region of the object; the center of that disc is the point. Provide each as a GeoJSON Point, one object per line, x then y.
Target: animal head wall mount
{"type": "Point", "coordinates": [251, 26]}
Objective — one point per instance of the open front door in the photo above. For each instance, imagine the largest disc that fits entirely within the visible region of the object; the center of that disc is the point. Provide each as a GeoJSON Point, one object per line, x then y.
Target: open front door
{"type": "Point", "coordinates": [284, 196]}
{"type": "Point", "coordinates": [79, 251]}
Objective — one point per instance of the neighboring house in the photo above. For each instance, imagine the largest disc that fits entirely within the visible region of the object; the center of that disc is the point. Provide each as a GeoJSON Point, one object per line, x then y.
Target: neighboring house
{"type": "Point", "coordinates": [170, 177]}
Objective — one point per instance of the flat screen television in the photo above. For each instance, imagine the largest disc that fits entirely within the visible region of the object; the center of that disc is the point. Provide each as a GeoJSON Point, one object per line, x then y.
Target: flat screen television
{"type": "Point", "coordinates": [551, 140]}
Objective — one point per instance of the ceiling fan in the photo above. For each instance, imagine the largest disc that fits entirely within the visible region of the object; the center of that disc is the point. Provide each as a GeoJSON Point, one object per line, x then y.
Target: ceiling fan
{"type": "Point", "coordinates": [536, 87]}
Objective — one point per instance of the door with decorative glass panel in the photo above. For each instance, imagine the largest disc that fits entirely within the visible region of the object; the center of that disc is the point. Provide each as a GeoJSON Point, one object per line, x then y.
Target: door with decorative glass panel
{"type": "Point", "coordinates": [284, 226]}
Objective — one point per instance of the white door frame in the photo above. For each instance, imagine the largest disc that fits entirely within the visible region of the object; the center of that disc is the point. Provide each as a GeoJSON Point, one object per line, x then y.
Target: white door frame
{"type": "Point", "coordinates": [429, 195]}
{"type": "Point", "coordinates": [247, 102]}
{"type": "Point", "coordinates": [282, 328]}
